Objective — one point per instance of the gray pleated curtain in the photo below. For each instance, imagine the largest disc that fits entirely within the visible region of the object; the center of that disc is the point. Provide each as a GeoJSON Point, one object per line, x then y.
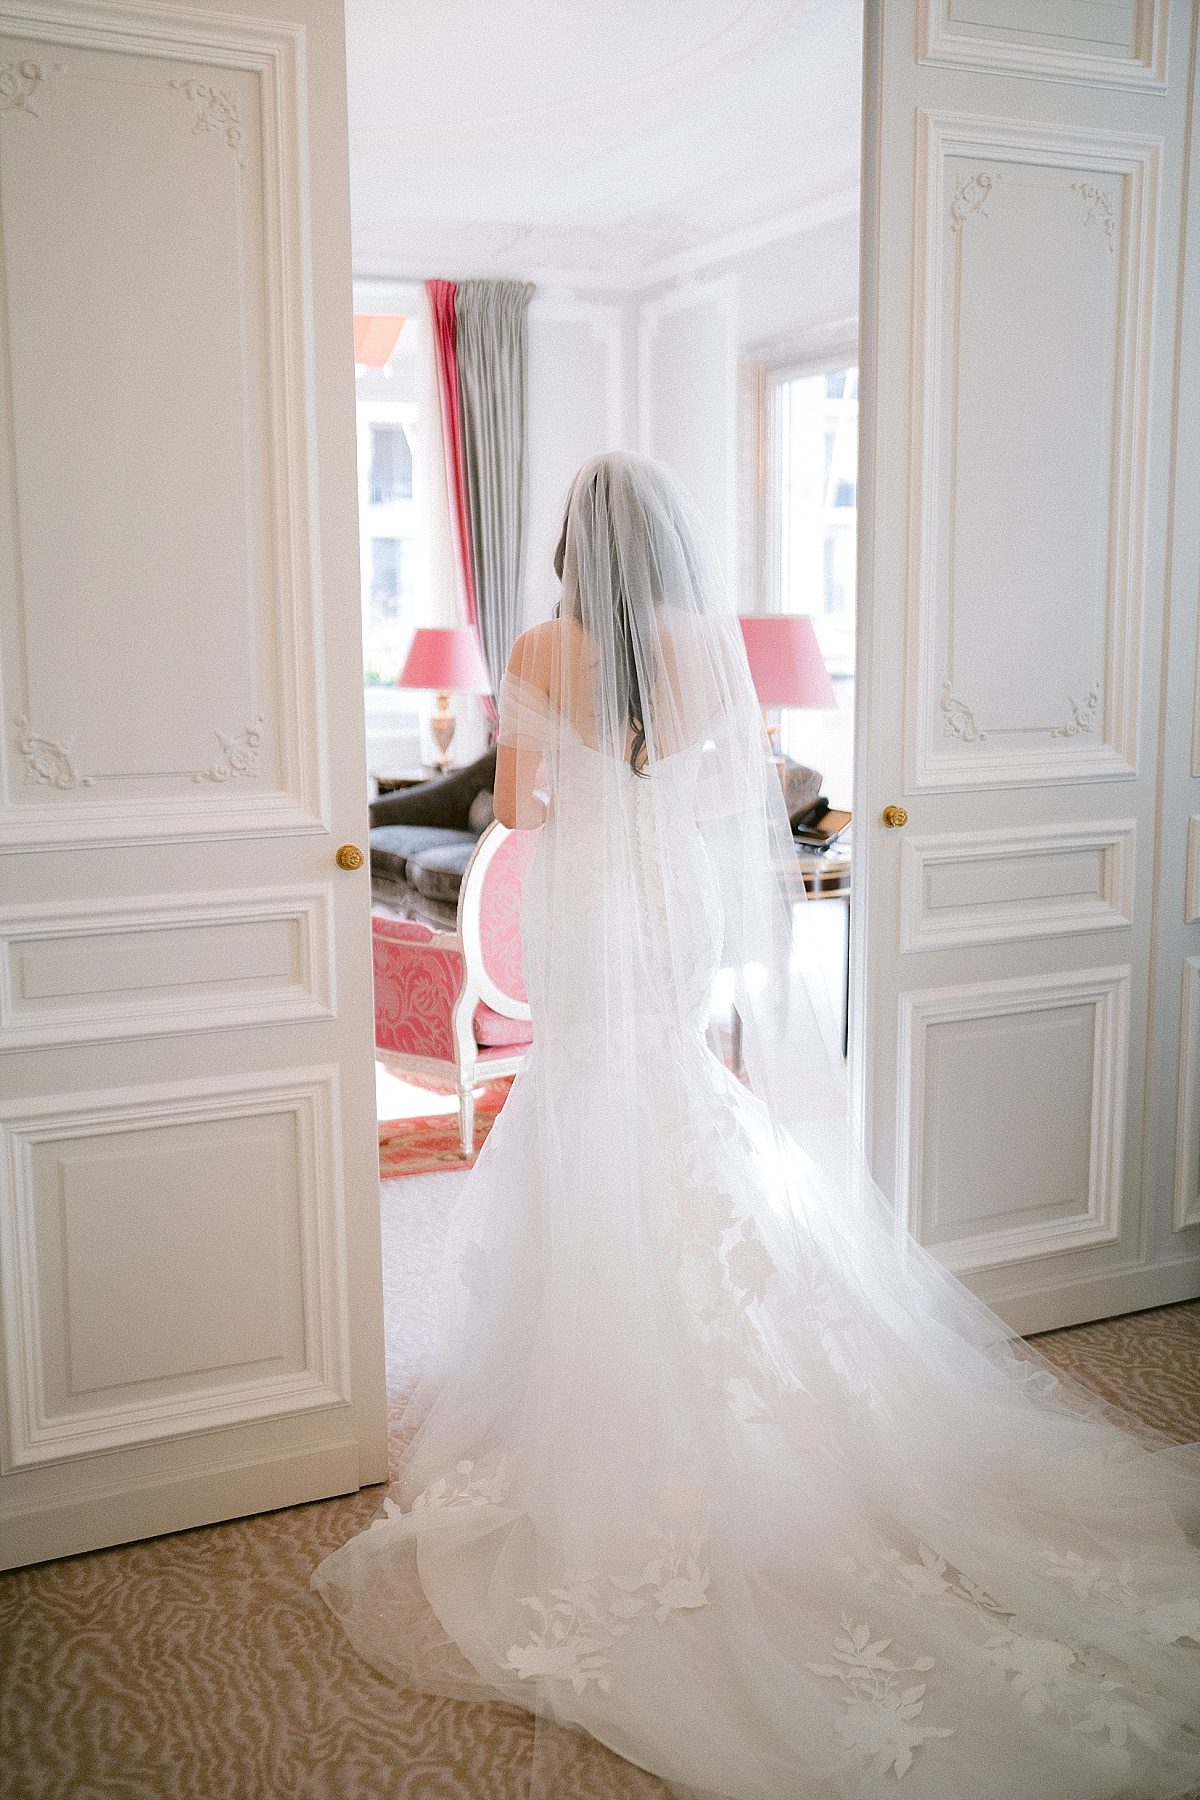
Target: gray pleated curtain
{"type": "Point", "coordinates": [491, 351]}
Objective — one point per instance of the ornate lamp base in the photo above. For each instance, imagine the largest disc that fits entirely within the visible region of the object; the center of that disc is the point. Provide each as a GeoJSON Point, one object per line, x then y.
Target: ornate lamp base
{"type": "Point", "coordinates": [442, 725]}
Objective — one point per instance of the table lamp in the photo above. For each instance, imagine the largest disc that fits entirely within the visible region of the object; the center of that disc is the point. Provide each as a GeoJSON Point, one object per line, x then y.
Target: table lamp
{"type": "Point", "coordinates": [786, 664]}
{"type": "Point", "coordinates": [445, 658]}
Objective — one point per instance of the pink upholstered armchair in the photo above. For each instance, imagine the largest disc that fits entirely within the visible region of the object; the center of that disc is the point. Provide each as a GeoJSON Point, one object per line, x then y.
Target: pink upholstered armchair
{"type": "Point", "coordinates": [452, 1003]}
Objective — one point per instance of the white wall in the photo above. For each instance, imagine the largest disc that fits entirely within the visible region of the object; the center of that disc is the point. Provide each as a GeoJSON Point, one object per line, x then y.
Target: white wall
{"type": "Point", "coordinates": [687, 377]}
{"type": "Point", "coordinates": [702, 335]}
{"type": "Point", "coordinates": [578, 405]}
{"type": "Point", "coordinates": [791, 293]}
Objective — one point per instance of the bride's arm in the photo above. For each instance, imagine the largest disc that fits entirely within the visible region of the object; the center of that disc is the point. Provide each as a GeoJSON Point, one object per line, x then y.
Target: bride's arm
{"type": "Point", "coordinates": [524, 712]}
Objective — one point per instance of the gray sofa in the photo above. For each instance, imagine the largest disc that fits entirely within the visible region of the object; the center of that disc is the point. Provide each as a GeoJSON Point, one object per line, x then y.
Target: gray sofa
{"type": "Point", "coordinates": [423, 838]}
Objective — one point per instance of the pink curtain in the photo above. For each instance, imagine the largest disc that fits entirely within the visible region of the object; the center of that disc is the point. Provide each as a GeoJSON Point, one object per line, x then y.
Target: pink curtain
{"type": "Point", "coordinates": [441, 307]}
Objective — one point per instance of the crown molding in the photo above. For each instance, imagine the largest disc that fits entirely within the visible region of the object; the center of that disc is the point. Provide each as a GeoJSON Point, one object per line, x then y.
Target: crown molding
{"type": "Point", "coordinates": [752, 30]}
{"type": "Point", "coordinates": [591, 259]}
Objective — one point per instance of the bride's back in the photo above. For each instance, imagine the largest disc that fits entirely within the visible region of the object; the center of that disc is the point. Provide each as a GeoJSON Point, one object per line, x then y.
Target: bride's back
{"type": "Point", "coordinates": [674, 711]}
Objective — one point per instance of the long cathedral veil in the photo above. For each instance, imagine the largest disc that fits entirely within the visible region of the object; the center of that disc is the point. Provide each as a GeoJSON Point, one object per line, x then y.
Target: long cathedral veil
{"type": "Point", "coordinates": [713, 1465]}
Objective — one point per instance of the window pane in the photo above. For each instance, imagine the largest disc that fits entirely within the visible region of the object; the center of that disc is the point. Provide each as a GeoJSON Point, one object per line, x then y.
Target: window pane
{"type": "Point", "coordinates": [387, 556]}
{"type": "Point", "coordinates": [391, 465]}
{"type": "Point", "coordinates": [391, 515]}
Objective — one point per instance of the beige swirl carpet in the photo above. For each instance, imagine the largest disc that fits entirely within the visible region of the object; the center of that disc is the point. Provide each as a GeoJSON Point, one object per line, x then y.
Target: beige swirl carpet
{"type": "Point", "coordinates": [202, 1667]}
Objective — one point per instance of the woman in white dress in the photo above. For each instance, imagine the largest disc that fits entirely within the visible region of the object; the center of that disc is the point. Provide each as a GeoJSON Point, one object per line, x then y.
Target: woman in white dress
{"type": "Point", "coordinates": [711, 1463]}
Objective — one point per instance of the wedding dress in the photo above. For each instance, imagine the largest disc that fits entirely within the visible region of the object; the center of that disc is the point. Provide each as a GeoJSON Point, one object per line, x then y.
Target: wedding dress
{"type": "Point", "coordinates": [711, 1463]}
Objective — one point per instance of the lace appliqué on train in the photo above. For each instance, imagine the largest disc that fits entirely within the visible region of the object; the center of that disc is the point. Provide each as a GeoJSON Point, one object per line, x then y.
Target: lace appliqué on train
{"type": "Point", "coordinates": [879, 1724]}
{"type": "Point", "coordinates": [1162, 1621]}
{"type": "Point", "coordinates": [470, 1485]}
{"type": "Point", "coordinates": [577, 1624]}
{"type": "Point", "coordinates": [1046, 1674]}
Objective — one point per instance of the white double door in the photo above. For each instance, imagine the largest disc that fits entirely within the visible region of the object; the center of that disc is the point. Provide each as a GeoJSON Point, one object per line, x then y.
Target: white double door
{"type": "Point", "coordinates": [190, 1309]}
{"type": "Point", "coordinates": [1026, 1039]}
{"type": "Point", "coordinates": [190, 1314]}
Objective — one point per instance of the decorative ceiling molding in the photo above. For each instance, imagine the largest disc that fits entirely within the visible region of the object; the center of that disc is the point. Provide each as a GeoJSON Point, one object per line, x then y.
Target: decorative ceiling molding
{"type": "Point", "coordinates": [629, 256]}
{"type": "Point", "coordinates": [753, 28]}
{"type": "Point", "coordinates": [806, 215]}
{"type": "Point", "coordinates": [810, 350]}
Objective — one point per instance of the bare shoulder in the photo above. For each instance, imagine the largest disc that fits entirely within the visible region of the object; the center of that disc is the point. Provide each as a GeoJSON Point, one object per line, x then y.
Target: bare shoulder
{"type": "Point", "coordinates": [535, 653]}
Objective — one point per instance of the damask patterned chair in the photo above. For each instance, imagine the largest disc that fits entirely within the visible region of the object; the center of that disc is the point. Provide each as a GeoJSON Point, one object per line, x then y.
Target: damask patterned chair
{"type": "Point", "coordinates": [452, 1004]}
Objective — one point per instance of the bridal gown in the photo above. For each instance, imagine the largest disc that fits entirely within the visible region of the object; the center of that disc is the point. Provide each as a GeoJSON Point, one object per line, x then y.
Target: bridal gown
{"type": "Point", "coordinates": [710, 1462]}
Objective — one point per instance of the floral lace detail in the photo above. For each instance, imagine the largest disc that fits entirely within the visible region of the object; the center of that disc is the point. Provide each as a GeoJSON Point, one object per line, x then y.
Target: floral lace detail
{"type": "Point", "coordinates": [1164, 1621]}
{"type": "Point", "coordinates": [724, 1267]}
{"type": "Point", "coordinates": [725, 1272]}
{"type": "Point", "coordinates": [674, 1579]}
{"type": "Point", "coordinates": [473, 1487]}
{"type": "Point", "coordinates": [879, 1722]}
{"type": "Point", "coordinates": [1045, 1674]}
{"type": "Point", "coordinates": [1112, 1580]}
{"type": "Point", "coordinates": [1167, 1621]}
{"type": "Point", "coordinates": [574, 1630]}
{"type": "Point", "coordinates": [931, 1576]}
{"type": "Point", "coordinates": [579, 1621]}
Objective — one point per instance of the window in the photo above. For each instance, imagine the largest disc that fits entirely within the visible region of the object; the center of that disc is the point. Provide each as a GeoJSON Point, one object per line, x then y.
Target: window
{"type": "Point", "coordinates": [389, 522]}
{"type": "Point", "coordinates": [391, 465]}
{"type": "Point", "coordinates": [811, 509]}
{"type": "Point", "coordinates": [389, 562]}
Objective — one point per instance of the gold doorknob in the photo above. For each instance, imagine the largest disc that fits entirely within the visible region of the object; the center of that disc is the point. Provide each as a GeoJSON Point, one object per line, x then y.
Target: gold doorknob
{"type": "Point", "coordinates": [350, 857]}
{"type": "Point", "coordinates": [895, 815]}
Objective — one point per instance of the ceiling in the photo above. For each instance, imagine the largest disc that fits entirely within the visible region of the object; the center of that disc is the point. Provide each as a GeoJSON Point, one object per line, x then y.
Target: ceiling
{"type": "Point", "coordinates": [595, 141]}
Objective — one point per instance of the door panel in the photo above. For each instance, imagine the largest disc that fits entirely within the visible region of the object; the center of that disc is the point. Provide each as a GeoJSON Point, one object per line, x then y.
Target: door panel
{"type": "Point", "coordinates": [1027, 596]}
{"type": "Point", "coordinates": [1024, 213]}
{"type": "Point", "coordinates": [191, 1303]}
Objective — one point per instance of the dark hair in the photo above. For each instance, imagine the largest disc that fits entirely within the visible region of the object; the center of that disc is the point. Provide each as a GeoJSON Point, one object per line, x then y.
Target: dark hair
{"type": "Point", "coordinates": [624, 634]}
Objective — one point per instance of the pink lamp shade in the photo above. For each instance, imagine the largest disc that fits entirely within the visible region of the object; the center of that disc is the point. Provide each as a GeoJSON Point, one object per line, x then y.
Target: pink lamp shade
{"type": "Point", "coordinates": [785, 660]}
{"type": "Point", "coordinates": [446, 659]}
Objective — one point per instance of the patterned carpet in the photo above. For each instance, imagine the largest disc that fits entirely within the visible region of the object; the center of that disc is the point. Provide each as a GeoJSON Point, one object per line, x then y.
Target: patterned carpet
{"type": "Point", "coordinates": [202, 1667]}
{"type": "Point", "coordinates": [425, 1143]}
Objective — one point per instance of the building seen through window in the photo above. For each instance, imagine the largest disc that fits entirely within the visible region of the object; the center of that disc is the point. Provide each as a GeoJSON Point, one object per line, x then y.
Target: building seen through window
{"type": "Point", "coordinates": [389, 516]}
{"type": "Point", "coordinates": [391, 477]}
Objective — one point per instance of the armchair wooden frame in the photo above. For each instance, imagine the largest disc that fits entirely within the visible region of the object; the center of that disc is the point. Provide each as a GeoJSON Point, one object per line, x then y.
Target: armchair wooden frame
{"type": "Point", "coordinates": [430, 985]}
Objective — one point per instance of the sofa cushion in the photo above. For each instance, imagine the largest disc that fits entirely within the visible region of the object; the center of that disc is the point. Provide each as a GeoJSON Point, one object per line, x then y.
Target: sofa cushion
{"type": "Point", "coordinates": [494, 1030]}
{"type": "Point", "coordinates": [482, 812]}
{"type": "Point", "coordinates": [437, 873]}
{"type": "Point", "coordinates": [393, 846]}
{"type": "Point", "coordinates": [801, 785]}
{"type": "Point", "coordinates": [445, 801]}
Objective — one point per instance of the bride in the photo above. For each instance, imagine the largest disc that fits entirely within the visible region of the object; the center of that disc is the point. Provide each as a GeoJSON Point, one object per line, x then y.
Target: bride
{"type": "Point", "coordinates": [711, 1465]}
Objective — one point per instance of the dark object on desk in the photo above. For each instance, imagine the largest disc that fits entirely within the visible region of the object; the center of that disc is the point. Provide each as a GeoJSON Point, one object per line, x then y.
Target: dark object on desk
{"type": "Point", "coordinates": [808, 816]}
{"type": "Point", "coordinates": [820, 832]}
